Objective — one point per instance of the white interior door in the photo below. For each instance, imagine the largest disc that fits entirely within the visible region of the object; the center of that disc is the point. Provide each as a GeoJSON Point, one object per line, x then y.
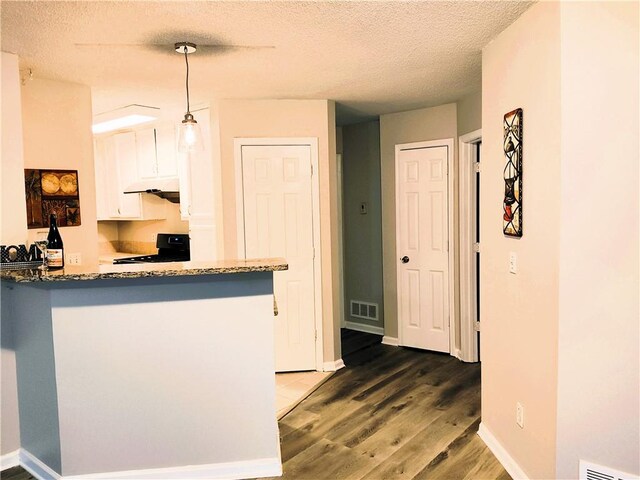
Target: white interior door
{"type": "Point", "coordinates": [278, 222]}
{"type": "Point", "coordinates": [422, 247]}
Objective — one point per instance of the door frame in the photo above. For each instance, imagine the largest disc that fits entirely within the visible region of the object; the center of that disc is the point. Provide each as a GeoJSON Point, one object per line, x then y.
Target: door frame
{"type": "Point", "coordinates": [312, 142]}
{"type": "Point", "coordinates": [468, 148]}
{"type": "Point", "coordinates": [341, 289]}
{"type": "Point", "coordinates": [449, 143]}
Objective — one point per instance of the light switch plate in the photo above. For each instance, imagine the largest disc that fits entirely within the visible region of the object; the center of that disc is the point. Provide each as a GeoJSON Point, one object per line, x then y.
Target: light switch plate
{"type": "Point", "coordinates": [513, 262]}
{"type": "Point", "coordinates": [519, 415]}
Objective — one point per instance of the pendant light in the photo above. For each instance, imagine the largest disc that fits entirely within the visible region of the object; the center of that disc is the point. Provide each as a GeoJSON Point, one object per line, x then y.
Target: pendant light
{"type": "Point", "coordinates": [190, 138]}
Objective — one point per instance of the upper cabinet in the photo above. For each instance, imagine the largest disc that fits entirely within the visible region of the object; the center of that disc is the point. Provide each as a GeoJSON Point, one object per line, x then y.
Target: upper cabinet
{"type": "Point", "coordinates": [122, 159]}
{"type": "Point", "coordinates": [156, 150]}
{"type": "Point", "coordinates": [166, 151]}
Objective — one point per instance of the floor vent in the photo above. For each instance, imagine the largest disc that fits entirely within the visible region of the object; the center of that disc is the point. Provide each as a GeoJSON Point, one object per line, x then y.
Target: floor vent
{"type": "Point", "coordinates": [360, 309]}
{"type": "Point", "coordinates": [593, 471]}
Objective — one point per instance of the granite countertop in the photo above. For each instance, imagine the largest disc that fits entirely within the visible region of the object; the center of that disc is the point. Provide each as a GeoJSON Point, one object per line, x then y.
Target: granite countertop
{"type": "Point", "coordinates": [142, 270]}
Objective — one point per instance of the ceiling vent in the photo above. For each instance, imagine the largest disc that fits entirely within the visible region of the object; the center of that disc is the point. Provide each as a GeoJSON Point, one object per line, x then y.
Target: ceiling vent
{"type": "Point", "coordinates": [593, 471]}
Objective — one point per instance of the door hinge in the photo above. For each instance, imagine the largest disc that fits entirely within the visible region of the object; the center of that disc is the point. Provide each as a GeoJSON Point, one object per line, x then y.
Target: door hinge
{"type": "Point", "coordinates": [312, 169]}
{"type": "Point", "coordinates": [476, 326]}
{"type": "Point", "coordinates": [314, 252]}
{"type": "Point", "coordinates": [316, 334]}
{"type": "Point", "coordinates": [476, 247]}
{"type": "Point", "coordinates": [476, 167]}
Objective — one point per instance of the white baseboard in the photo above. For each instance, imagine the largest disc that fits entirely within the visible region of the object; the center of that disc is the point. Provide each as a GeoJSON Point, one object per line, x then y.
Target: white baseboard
{"type": "Point", "coordinates": [333, 366]}
{"type": "Point", "coordinates": [361, 327]}
{"type": "Point", "coordinates": [393, 341]}
{"type": "Point", "coordinates": [9, 460]}
{"type": "Point", "coordinates": [509, 464]}
{"type": "Point", "coordinates": [264, 467]}
{"type": "Point", "coordinates": [36, 467]}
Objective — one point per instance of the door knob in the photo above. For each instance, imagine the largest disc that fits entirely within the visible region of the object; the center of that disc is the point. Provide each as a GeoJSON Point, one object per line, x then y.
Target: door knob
{"type": "Point", "coordinates": [404, 259]}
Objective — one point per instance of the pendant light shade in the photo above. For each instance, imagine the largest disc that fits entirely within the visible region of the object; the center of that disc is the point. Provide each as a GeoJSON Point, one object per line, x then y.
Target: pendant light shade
{"type": "Point", "coordinates": [190, 135]}
{"type": "Point", "coordinates": [190, 138]}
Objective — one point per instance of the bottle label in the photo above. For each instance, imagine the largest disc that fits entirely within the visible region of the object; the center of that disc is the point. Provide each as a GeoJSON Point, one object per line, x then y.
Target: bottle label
{"type": "Point", "coordinates": [54, 258]}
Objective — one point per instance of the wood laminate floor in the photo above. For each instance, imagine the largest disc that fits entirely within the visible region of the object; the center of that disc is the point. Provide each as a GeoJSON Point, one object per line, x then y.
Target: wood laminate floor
{"type": "Point", "coordinates": [16, 473]}
{"type": "Point", "coordinates": [392, 413]}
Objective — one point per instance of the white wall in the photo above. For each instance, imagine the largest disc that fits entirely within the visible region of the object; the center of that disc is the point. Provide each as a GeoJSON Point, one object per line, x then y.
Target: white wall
{"type": "Point", "coordinates": [519, 337]}
{"type": "Point", "coordinates": [13, 230]}
{"type": "Point", "coordinates": [57, 135]}
{"type": "Point", "coordinates": [434, 123]}
{"type": "Point", "coordinates": [599, 337]}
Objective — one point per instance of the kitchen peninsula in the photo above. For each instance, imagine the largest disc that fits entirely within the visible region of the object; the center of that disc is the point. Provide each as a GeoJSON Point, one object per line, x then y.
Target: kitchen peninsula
{"type": "Point", "coordinates": [146, 371]}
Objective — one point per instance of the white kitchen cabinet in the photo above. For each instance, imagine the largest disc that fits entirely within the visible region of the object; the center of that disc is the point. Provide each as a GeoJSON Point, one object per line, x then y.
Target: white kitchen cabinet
{"type": "Point", "coordinates": [156, 152]}
{"type": "Point", "coordinates": [102, 208]}
{"type": "Point", "coordinates": [196, 174]}
{"type": "Point", "coordinates": [198, 189]}
{"type": "Point", "coordinates": [146, 153]}
{"type": "Point", "coordinates": [116, 159]}
{"type": "Point", "coordinates": [125, 158]}
{"type": "Point", "coordinates": [166, 151]}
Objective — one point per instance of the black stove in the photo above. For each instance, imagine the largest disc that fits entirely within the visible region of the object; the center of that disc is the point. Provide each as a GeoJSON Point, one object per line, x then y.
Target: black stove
{"type": "Point", "coordinates": [172, 247]}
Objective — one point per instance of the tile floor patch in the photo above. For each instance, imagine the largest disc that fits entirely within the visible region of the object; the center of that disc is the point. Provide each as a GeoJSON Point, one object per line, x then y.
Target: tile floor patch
{"type": "Point", "coordinates": [292, 388]}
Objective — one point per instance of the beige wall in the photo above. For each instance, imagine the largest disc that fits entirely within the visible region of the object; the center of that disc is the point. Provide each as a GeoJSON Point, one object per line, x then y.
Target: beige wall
{"type": "Point", "coordinates": [520, 312]}
{"type": "Point", "coordinates": [13, 230]}
{"type": "Point", "coordinates": [362, 233]}
{"type": "Point", "coordinates": [414, 126]}
{"type": "Point", "coordinates": [107, 237]}
{"type": "Point", "coordinates": [57, 134]}
{"type": "Point", "coordinates": [599, 337]}
{"type": "Point", "coordinates": [140, 236]}
{"type": "Point", "coordinates": [470, 113]}
{"type": "Point", "coordinates": [287, 118]}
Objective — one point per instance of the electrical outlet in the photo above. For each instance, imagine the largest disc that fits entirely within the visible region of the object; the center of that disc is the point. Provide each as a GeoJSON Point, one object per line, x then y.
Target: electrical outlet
{"type": "Point", "coordinates": [513, 262]}
{"type": "Point", "coordinates": [74, 259]}
{"type": "Point", "coordinates": [520, 415]}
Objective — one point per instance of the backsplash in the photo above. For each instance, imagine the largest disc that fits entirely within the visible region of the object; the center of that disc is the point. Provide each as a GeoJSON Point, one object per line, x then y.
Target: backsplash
{"type": "Point", "coordinates": [138, 247]}
{"type": "Point", "coordinates": [138, 237]}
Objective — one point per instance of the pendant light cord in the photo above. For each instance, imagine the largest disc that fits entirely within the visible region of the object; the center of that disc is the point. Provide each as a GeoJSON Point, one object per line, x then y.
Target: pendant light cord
{"type": "Point", "coordinates": [186, 60]}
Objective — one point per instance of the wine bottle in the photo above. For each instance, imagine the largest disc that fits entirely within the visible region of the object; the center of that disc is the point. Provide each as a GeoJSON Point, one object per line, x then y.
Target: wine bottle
{"type": "Point", "coordinates": [55, 249]}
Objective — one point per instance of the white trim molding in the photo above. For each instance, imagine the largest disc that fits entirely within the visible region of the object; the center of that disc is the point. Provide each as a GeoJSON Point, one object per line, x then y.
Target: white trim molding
{"type": "Point", "coordinates": [362, 327]}
{"type": "Point", "coordinates": [9, 460]}
{"type": "Point", "coordinates": [312, 142]}
{"type": "Point", "coordinates": [507, 461]}
{"type": "Point", "coordinates": [468, 148]}
{"type": "Point", "coordinates": [267, 467]}
{"type": "Point", "coordinates": [393, 341]}
{"type": "Point", "coordinates": [262, 467]}
{"type": "Point", "coordinates": [37, 467]}
{"type": "Point", "coordinates": [333, 366]}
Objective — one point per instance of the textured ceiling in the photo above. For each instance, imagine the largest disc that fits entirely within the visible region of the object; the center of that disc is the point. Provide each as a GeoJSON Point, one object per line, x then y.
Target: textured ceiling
{"type": "Point", "coordinates": [371, 57]}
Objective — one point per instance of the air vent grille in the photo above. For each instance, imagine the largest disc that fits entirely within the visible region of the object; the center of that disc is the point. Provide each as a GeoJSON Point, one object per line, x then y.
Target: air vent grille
{"type": "Point", "coordinates": [366, 310]}
{"type": "Point", "coordinates": [593, 471]}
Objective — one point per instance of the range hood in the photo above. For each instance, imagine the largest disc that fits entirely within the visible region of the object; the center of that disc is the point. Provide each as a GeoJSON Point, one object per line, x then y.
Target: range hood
{"type": "Point", "coordinates": [168, 187]}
